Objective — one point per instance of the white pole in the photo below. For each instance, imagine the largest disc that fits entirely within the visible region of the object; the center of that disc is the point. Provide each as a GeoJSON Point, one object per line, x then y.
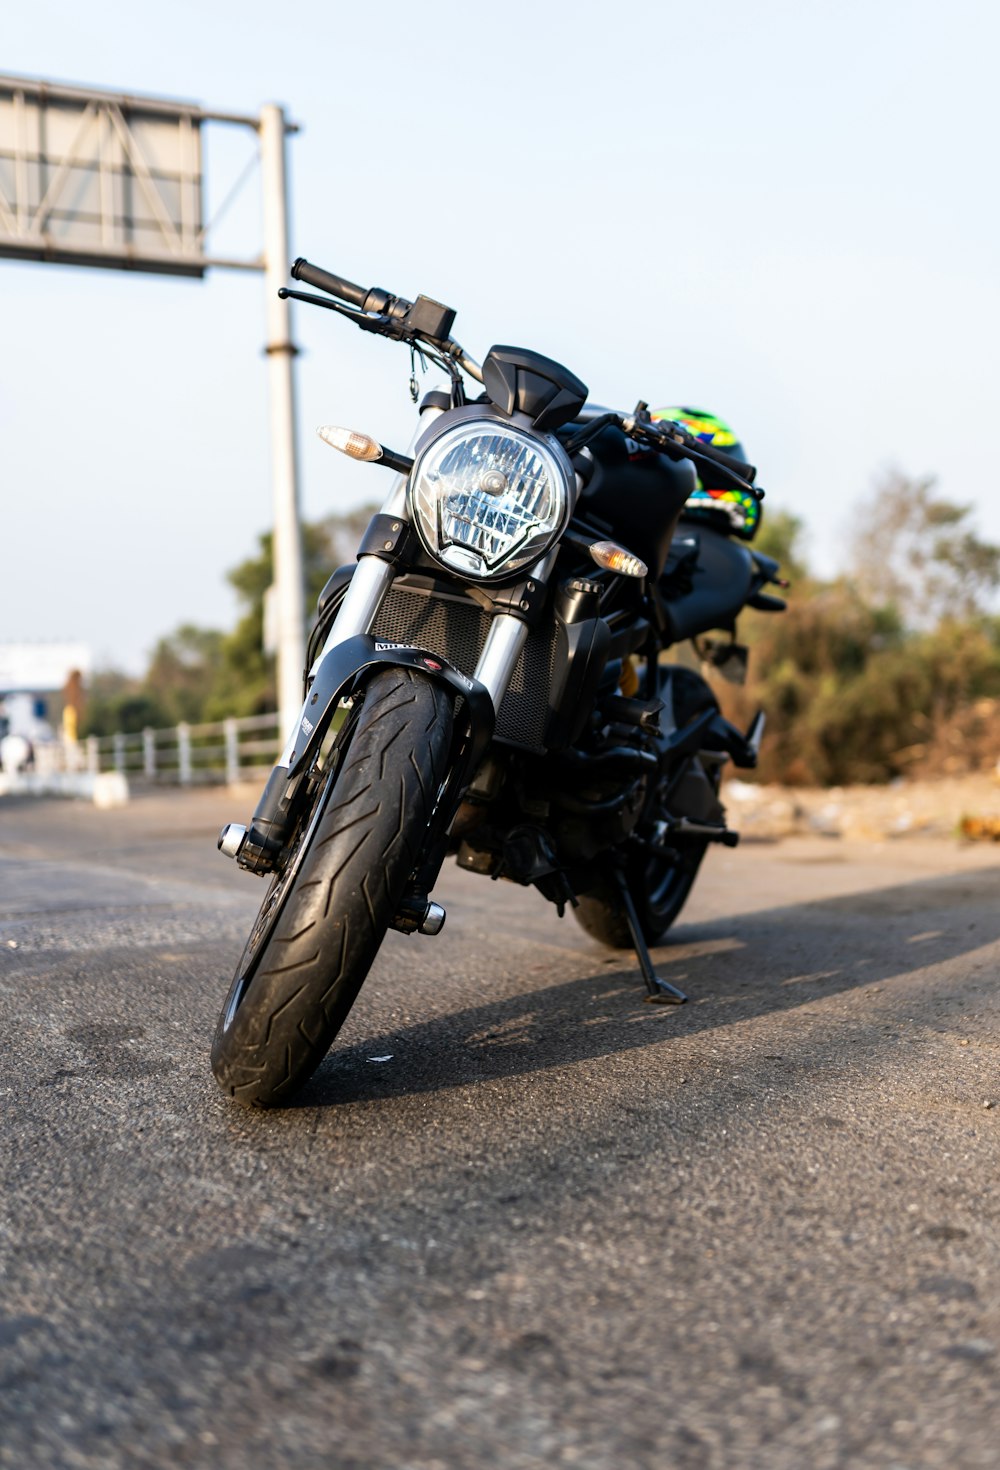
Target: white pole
{"type": "Point", "coordinates": [232, 738]}
{"type": "Point", "coordinates": [288, 577]}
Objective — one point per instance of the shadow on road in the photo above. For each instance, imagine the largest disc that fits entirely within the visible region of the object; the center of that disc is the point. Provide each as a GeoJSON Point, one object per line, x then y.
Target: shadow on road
{"type": "Point", "coordinates": [733, 970]}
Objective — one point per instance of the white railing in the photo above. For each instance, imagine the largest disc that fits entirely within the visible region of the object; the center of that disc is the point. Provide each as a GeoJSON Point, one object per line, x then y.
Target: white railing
{"type": "Point", "coordinates": [229, 751]}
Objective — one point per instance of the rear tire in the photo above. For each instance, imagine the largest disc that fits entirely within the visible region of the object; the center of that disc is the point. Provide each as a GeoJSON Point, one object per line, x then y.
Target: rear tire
{"type": "Point", "coordinates": [659, 886]}
{"type": "Point", "coordinates": [658, 891]}
{"type": "Point", "coordinates": [325, 916]}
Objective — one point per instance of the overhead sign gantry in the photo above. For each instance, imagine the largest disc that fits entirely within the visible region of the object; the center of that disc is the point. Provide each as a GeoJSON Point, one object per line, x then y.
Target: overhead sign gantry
{"type": "Point", "coordinates": [96, 178]}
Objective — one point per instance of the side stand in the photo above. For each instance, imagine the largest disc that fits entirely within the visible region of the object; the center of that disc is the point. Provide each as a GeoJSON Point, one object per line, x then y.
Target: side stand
{"type": "Point", "coordinates": [660, 992]}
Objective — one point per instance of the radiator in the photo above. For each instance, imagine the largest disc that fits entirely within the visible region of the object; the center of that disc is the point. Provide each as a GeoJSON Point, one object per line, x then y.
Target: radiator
{"type": "Point", "coordinates": [456, 628]}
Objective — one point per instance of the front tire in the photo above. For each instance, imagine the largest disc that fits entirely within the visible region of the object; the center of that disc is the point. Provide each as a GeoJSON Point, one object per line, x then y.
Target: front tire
{"type": "Point", "coordinates": [326, 914]}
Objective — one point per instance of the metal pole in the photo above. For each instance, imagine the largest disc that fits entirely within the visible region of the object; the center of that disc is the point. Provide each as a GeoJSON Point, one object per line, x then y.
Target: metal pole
{"type": "Point", "coordinates": [232, 739]}
{"type": "Point", "coordinates": [184, 753]}
{"type": "Point", "coordinates": [149, 752]}
{"type": "Point", "coordinates": [288, 577]}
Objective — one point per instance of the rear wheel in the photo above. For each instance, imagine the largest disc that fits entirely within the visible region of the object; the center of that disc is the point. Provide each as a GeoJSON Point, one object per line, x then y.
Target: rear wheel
{"type": "Point", "coordinates": [659, 882]}
{"type": "Point", "coordinates": [327, 912]}
{"type": "Point", "coordinates": [659, 887]}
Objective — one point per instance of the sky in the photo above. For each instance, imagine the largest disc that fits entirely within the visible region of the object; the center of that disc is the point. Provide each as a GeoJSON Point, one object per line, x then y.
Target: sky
{"type": "Point", "coordinates": [784, 213]}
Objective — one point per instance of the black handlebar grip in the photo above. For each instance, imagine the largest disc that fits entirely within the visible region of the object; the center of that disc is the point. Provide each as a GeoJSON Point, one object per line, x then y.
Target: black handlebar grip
{"type": "Point", "coordinates": [314, 275]}
{"type": "Point", "coordinates": [746, 472]}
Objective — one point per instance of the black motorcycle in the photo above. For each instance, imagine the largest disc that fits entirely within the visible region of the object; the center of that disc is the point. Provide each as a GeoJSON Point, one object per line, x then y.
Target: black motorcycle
{"type": "Point", "coordinates": [488, 681]}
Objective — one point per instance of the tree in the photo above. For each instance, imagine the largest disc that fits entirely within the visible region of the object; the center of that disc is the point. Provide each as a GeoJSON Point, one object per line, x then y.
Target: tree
{"type": "Point", "coordinates": [246, 678]}
{"type": "Point", "coordinates": [918, 552]}
{"type": "Point", "coordinates": [116, 702]}
{"type": "Point", "coordinates": [200, 674]}
{"type": "Point", "coordinates": [780, 535]}
{"type": "Point", "coordinates": [184, 672]}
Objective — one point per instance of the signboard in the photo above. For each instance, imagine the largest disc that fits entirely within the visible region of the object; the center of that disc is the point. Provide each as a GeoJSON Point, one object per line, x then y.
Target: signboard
{"type": "Point", "coordinates": [90, 177]}
{"type": "Point", "coordinates": [41, 668]}
{"type": "Point", "coordinates": [95, 178]}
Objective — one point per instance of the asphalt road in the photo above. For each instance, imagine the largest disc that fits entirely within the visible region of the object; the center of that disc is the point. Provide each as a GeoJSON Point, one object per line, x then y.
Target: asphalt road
{"type": "Point", "coordinates": [520, 1218]}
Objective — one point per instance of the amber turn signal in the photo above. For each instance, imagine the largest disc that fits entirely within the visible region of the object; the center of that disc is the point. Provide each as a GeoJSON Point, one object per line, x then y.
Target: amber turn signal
{"type": "Point", "coordinates": [614, 558]}
{"type": "Point", "coordinates": [351, 443]}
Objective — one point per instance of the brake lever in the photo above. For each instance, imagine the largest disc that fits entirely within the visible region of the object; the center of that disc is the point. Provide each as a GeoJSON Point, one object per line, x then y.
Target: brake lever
{"type": "Point", "coordinates": [736, 481]}
{"type": "Point", "coordinates": [382, 325]}
{"type": "Point", "coordinates": [674, 440]}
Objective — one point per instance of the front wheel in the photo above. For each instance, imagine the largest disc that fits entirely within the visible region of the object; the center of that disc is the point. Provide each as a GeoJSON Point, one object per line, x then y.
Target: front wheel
{"type": "Point", "coordinates": [327, 912]}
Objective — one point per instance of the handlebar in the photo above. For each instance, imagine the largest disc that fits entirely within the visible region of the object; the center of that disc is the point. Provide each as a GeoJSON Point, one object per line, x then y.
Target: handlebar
{"type": "Point", "coordinates": [314, 275]}
{"type": "Point", "coordinates": [673, 439]}
{"type": "Point", "coordinates": [666, 436]}
{"type": "Point", "coordinates": [422, 321]}
{"type": "Point", "coordinates": [726, 461]}
{"type": "Point", "coordinates": [427, 321]}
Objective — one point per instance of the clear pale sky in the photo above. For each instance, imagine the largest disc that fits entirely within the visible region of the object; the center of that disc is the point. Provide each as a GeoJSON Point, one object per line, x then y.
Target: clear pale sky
{"type": "Point", "coordinates": [786, 213]}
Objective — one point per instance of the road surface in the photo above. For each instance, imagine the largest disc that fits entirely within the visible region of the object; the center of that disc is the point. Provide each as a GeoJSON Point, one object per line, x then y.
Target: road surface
{"type": "Point", "coordinates": [519, 1218]}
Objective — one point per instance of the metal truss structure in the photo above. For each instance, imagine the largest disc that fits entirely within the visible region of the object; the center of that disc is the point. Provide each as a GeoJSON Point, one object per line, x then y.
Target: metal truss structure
{"type": "Point", "coordinates": [102, 179]}
{"type": "Point", "coordinates": [96, 178]}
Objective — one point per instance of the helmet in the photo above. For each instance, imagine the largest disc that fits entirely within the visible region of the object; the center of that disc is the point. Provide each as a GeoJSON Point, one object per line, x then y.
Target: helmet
{"type": "Point", "coordinates": [736, 510]}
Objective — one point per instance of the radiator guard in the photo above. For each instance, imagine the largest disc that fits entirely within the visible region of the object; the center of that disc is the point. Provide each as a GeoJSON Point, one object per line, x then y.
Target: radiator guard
{"type": "Point", "coordinates": [456, 627]}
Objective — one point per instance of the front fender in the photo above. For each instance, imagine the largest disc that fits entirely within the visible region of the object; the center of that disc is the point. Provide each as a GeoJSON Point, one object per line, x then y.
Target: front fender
{"type": "Point", "coordinates": [349, 665]}
{"type": "Point", "coordinates": [344, 670]}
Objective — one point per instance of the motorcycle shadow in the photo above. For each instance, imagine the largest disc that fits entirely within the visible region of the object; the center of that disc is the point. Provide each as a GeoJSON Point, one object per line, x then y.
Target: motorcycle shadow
{"type": "Point", "coordinates": [766, 963]}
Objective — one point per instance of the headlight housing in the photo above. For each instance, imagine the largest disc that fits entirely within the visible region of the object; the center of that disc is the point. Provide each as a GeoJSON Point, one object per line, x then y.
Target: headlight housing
{"type": "Point", "coordinates": [488, 499]}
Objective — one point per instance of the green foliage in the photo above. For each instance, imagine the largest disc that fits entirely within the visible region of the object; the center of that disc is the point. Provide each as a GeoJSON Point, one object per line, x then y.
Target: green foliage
{"type": "Point", "coordinates": [200, 675]}
{"type": "Point", "coordinates": [858, 674]}
{"type": "Point", "coordinates": [184, 672]}
{"type": "Point", "coordinates": [858, 677]}
{"type": "Point", "coordinates": [245, 681]}
{"type": "Point", "coordinates": [116, 702]}
{"type": "Point", "coordinates": [846, 704]}
{"type": "Point", "coordinates": [781, 534]}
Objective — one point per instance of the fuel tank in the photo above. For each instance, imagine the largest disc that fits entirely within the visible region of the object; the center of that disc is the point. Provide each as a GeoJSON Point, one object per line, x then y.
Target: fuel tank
{"type": "Point", "coordinates": [720, 573]}
{"type": "Point", "coordinates": [639, 496]}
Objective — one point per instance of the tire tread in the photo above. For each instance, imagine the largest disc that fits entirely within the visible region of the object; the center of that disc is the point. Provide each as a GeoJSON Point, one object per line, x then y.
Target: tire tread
{"type": "Point", "coordinates": [350, 883]}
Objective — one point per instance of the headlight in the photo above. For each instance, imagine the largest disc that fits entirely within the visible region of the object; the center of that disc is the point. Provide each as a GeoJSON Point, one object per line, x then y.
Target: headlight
{"type": "Point", "coordinates": [488, 499]}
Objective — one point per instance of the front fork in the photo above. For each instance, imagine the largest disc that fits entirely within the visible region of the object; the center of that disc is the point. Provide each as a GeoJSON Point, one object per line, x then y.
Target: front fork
{"type": "Point", "coordinates": [366, 592]}
{"type": "Point", "coordinates": [258, 847]}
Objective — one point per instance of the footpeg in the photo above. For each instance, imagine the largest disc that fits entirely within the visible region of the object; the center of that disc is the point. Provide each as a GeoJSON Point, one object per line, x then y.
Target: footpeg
{"type": "Point", "coordinates": [714, 831]}
{"type": "Point", "coordinates": [755, 732]}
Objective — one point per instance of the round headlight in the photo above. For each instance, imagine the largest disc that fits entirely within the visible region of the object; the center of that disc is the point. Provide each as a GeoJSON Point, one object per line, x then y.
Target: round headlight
{"type": "Point", "coordinates": [488, 499]}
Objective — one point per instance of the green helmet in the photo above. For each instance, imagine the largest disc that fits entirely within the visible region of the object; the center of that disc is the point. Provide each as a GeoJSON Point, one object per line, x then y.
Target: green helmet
{"type": "Point", "coordinates": [738, 510]}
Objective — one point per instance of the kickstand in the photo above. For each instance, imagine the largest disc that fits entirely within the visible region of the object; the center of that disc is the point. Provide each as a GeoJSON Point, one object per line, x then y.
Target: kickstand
{"type": "Point", "coordinates": [661, 992]}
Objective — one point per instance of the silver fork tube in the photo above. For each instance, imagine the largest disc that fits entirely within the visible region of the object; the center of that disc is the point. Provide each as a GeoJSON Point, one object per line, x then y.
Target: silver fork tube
{"type": "Point", "coordinates": [366, 589]}
{"type": "Point", "coordinates": [373, 576]}
{"type": "Point", "coordinates": [506, 639]}
{"type": "Point", "coordinates": [362, 600]}
{"type": "Point", "coordinates": [501, 651]}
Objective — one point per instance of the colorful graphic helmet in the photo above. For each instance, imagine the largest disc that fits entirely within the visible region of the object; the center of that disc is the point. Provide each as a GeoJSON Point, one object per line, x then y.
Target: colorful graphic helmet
{"type": "Point", "coordinates": [738, 510]}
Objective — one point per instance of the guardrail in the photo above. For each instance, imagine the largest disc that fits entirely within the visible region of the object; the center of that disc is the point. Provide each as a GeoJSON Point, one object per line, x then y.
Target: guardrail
{"type": "Point", "coordinates": [185, 755]}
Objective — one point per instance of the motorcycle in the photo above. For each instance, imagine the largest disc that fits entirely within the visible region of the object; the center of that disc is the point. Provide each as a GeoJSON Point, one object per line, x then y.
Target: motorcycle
{"type": "Point", "coordinates": [488, 682]}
